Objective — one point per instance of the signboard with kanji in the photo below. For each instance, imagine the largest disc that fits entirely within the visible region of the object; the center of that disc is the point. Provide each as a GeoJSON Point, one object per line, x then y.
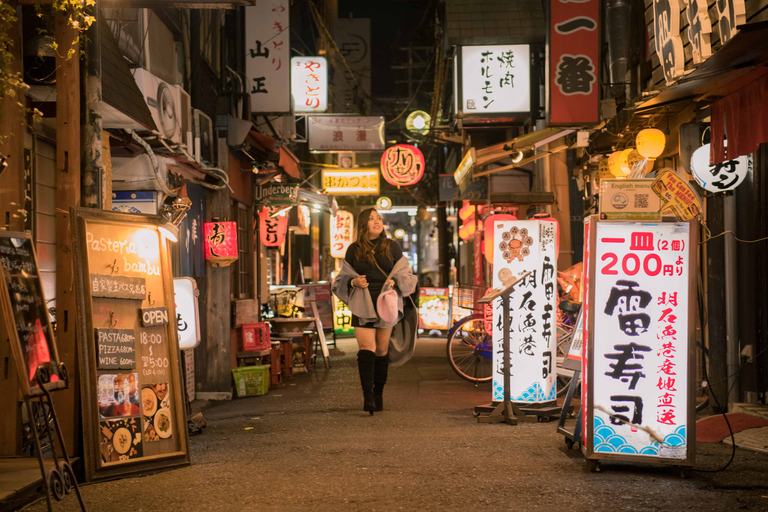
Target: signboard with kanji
{"type": "Point", "coordinates": [267, 57]}
{"type": "Point", "coordinates": [309, 84]}
{"type": "Point", "coordinates": [640, 357]}
{"type": "Point", "coordinates": [521, 247]}
{"type": "Point", "coordinates": [495, 79]}
{"type": "Point", "coordinates": [402, 165]}
{"type": "Point", "coordinates": [342, 233]}
{"type": "Point", "coordinates": [345, 133]}
{"type": "Point", "coordinates": [350, 181]}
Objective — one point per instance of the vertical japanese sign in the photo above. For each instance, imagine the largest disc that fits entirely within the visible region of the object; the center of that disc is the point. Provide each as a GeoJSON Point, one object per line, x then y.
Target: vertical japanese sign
{"type": "Point", "coordinates": [353, 35]}
{"type": "Point", "coordinates": [640, 362]}
{"type": "Point", "coordinates": [699, 29]}
{"type": "Point", "coordinates": [267, 57]}
{"type": "Point", "coordinates": [520, 247]}
{"type": "Point", "coordinates": [309, 84]}
{"type": "Point", "coordinates": [495, 79]}
{"type": "Point", "coordinates": [341, 233]}
{"type": "Point", "coordinates": [575, 50]}
{"type": "Point", "coordinates": [342, 318]}
{"type": "Point", "coordinates": [667, 40]}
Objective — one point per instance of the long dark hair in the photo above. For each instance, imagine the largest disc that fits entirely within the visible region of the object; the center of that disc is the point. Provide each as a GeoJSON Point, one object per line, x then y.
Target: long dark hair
{"type": "Point", "coordinates": [365, 246]}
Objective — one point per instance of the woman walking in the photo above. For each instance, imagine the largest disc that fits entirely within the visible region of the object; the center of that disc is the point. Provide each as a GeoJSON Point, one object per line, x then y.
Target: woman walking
{"type": "Point", "coordinates": [373, 264]}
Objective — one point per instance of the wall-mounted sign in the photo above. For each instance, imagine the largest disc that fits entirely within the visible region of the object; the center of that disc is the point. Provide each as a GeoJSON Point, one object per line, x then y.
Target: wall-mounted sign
{"type": "Point", "coordinates": [23, 305]}
{"type": "Point", "coordinates": [273, 225]}
{"type": "Point", "coordinates": [277, 194]}
{"type": "Point", "coordinates": [402, 165]}
{"type": "Point", "coordinates": [351, 181]}
{"type": "Point", "coordinates": [677, 196]}
{"type": "Point", "coordinates": [669, 44]}
{"type": "Point", "coordinates": [353, 36]}
{"type": "Point", "coordinates": [309, 84]}
{"type": "Point", "coordinates": [520, 247]}
{"type": "Point", "coordinates": [719, 177]}
{"type": "Point", "coordinates": [699, 30]}
{"type": "Point", "coordinates": [345, 133]}
{"type": "Point", "coordinates": [640, 346]}
{"type": "Point", "coordinates": [129, 347]}
{"type": "Point", "coordinates": [120, 287]}
{"type": "Point", "coordinates": [220, 242]}
{"type": "Point", "coordinates": [267, 57]}
{"type": "Point", "coordinates": [574, 57]}
{"type": "Point", "coordinates": [731, 14]}
{"type": "Point", "coordinates": [629, 200]}
{"type": "Point", "coordinates": [342, 233]}
{"type": "Point", "coordinates": [495, 79]}
{"type": "Point", "coordinates": [187, 316]}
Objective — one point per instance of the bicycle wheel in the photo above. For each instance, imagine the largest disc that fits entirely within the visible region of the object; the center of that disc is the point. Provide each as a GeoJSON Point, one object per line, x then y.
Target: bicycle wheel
{"type": "Point", "coordinates": [470, 351]}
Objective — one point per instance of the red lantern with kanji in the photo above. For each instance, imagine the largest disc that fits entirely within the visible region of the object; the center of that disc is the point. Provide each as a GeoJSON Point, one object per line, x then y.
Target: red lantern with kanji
{"type": "Point", "coordinates": [402, 165]}
{"type": "Point", "coordinates": [220, 243]}
{"type": "Point", "coordinates": [272, 229]}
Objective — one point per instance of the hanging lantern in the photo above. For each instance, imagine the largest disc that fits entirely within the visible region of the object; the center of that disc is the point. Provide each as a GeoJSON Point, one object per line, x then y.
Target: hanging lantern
{"type": "Point", "coordinates": [220, 243]}
{"type": "Point", "coordinates": [624, 161]}
{"type": "Point", "coordinates": [402, 165]}
{"type": "Point", "coordinates": [272, 229]}
{"type": "Point", "coordinates": [720, 177]}
{"type": "Point", "coordinates": [341, 233]}
{"type": "Point", "coordinates": [489, 240]}
{"type": "Point", "coordinates": [650, 143]}
{"type": "Point", "coordinates": [614, 164]}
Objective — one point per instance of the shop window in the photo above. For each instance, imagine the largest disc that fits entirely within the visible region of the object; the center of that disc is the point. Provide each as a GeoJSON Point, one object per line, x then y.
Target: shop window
{"type": "Point", "coordinates": [242, 270]}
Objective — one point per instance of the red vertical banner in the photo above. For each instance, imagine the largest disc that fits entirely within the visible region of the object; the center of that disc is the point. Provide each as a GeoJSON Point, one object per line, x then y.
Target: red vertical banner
{"type": "Point", "coordinates": [574, 58]}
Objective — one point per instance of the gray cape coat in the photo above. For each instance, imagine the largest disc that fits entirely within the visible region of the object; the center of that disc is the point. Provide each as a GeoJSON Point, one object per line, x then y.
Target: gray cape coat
{"type": "Point", "coordinates": [403, 339]}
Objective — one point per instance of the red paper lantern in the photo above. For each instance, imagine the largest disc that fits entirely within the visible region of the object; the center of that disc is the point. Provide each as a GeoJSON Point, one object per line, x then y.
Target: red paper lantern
{"type": "Point", "coordinates": [220, 242]}
{"type": "Point", "coordinates": [402, 165]}
{"type": "Point", "coordinates": [272, 229]}
{"type": "Point", "coordinates": [489, 245]}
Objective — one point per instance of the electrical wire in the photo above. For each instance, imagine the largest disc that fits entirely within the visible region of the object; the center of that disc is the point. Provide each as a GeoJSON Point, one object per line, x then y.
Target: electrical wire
{"type": "Point", "coordinates": [710, 237]}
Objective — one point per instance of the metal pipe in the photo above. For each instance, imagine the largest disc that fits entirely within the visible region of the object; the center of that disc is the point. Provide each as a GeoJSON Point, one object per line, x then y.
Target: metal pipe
{"type": "Point", "coordinates": [733, 353]}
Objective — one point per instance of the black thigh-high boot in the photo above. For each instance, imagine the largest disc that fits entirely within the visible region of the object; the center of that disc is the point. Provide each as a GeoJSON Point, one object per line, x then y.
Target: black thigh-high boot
{"type": "Point", "coordinates": [366, 360]}
{"type": "Point", "coordinates": [379, 379]}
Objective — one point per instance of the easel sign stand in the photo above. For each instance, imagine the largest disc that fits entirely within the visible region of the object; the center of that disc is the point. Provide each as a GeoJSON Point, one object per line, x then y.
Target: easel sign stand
{"type": "Point", "coordinates": [507, 411]}
{"type": "Point", "coordinates": [35, 355]}
{"type": "Point", "coordinates": [573, 362]}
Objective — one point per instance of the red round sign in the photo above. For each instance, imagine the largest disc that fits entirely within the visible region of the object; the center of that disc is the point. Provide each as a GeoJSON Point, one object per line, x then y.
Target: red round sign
{"type": "Point", "coordinates": [402, 165]}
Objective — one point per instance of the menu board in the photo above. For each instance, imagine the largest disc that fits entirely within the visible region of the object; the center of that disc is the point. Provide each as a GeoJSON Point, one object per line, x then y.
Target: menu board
{"type": "Point", "coordinates": [24, 307]}
{"type": "Point", "coordinates": [434, 308]}
{"type": "Point", "coordinates": [132, 390]}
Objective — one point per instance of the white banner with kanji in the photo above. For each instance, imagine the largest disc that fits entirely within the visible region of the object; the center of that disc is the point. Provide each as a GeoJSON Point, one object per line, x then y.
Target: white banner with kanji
{"type": "Point", "coordinates": [268, 56]}
{"type": "Point", "coordinates": [641, 338]}
{"type": "Point", "coordinates": [520, 247]}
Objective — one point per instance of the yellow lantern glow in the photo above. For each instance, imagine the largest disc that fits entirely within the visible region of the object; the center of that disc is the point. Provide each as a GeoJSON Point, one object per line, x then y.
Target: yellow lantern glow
{"type": "Point", "coordinates": [614, 164]}
{"type": "Point", "coordinates": [626, 168]}
{"type": "Point", "coordinates": [650, 143]}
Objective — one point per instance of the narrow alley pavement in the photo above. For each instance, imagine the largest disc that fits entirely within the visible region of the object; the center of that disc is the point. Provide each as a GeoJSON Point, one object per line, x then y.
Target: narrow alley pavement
{"type": "Point", "coordinates": [308, 445]}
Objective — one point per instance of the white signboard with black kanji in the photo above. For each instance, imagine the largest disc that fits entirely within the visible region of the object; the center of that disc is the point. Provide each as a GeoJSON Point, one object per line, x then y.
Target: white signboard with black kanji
{"type": "Point", "coordinates": [520, 247]}
{"type": "Point", "coordinates": [640, 366]}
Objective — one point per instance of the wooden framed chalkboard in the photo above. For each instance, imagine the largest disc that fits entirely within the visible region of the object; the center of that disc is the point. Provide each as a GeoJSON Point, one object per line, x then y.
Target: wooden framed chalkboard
{"type": "Point", "coordinates": [26, 315]}
{"type": "Point", "coordinates": [134, 416]}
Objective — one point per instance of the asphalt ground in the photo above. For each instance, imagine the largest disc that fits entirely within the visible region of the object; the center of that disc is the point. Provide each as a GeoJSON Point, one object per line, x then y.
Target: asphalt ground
{"type": "Point", "coordinates": [307, 445]}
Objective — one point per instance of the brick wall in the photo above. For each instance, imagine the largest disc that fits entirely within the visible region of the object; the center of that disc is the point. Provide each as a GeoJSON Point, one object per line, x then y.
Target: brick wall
{"type": "Point", "coordinates": [494, 21]}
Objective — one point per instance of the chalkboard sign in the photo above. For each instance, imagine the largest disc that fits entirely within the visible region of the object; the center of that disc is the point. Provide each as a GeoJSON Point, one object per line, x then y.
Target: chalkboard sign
{"type": "Point", "coordinates": [116, 349]}
{"type": "Point", "coordinates": [132, 392]}
{"type": "Point", "coordinates": [24, 307]}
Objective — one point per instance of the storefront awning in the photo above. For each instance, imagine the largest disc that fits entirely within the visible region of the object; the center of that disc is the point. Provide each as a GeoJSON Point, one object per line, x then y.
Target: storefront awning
{"type": "Point", "coordinates": [287, 160]}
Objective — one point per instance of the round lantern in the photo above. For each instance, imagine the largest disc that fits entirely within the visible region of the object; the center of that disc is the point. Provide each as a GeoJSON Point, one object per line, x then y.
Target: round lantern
{"type": "Point", "coordinates": [614, 164]}
{"type": "Point", "coordinates": [418, 122]}
{"type": "Point", "coordinates": [719, 177]}
{"type": "Point", "coordinates": [402, 165]}
{"type": "Point", "coordinates": [650, 143]}
{"type": "Point", "coordinates": [624, 161]}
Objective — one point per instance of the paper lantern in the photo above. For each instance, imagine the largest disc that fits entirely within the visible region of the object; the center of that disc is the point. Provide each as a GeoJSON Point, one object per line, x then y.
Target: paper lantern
{"type": "Point", "coordinates": [614, 164]}
{"type": "Point", "coordinates": [720, 177]}
{"type": "Point", "coordinates": [220, 243]}
{"type": "Point", "coordinates": [402, 165]}
{"type": "Point", "coordinates": [272, 230]}
{"type": "Point", "coordinates": [489, 240]}
{"type": "Point", "coordinates": [650, 143]}
{"type": "Point", "coordinates": [624, 165]}
{"type": "Point", "coordinates": [341, 233]}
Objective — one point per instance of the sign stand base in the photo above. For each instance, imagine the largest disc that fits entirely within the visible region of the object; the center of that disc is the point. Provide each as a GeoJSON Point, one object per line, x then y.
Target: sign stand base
{"type": "Point", "coordinates": [60, 480]}
{"type": "Point", "coordinates": [575, 436]}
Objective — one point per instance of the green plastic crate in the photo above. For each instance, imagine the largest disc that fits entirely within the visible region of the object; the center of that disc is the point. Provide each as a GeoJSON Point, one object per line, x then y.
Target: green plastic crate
{"type": "Point", "coordinates": [251, 380]}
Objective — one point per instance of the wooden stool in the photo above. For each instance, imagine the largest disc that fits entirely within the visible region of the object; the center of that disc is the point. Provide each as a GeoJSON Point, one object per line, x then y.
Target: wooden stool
{"type": "Point", "coordinates": [253, 357]}
{"type": "Point", "coordinates": [276, 375]}
{"type": "Point", "coordinates": [286, 358]}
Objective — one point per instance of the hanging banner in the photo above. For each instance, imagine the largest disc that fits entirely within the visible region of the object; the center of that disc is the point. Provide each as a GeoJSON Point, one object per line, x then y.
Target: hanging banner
{"type": "Point", "coordinates": [402, 165]}
{"type": "Point", "coordinates": [641, 353]}
{"type": "Point", "coordinates": [495, 79]}
{"type": "Point", "coordinates": [342, 233]}
{"type": "Point", "coordinates": [575, 54]}
{"type": "Point", "coordinates": [267, 57]}
{"type": "Point", "coordinates": [667, 40]}
{"type": "Point", "coordinates": [699, 30]}
{"type": "Point", "coordinates": [350, 181]}
{"type": "Point", "coordinates": [520, 247]}
{"type": "Point", "coordinates": [309, 84]}
{"type": "Point", "coordinates": [346, 133]}
{"type": "Point", "coordinates": [272, 230]}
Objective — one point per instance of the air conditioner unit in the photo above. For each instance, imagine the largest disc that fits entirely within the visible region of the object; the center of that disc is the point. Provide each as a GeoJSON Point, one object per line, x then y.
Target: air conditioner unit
{"type": "Point", "coordinates": [161, 98]}
{"type": "Point", "coordinates": [186, 128]}
{"type": "Point", "coordinates": [204, 144]}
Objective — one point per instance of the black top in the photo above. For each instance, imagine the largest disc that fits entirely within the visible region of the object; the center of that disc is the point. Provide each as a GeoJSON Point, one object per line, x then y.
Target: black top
{"type": "Point", "coordinates": [375, 277]}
